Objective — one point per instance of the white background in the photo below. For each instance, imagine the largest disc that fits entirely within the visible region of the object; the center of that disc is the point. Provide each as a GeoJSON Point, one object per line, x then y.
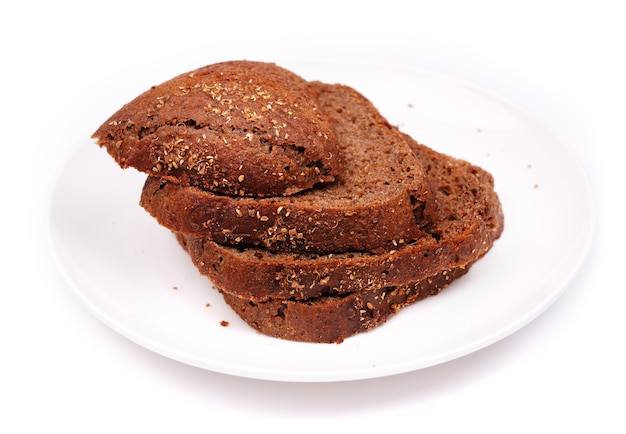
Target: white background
{"type": "Point", "coordinates": [68, 65]}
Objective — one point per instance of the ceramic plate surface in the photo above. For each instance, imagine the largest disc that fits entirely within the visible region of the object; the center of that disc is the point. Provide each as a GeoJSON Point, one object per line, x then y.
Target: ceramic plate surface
{"type": "Point", "coordinates": [131, 273]}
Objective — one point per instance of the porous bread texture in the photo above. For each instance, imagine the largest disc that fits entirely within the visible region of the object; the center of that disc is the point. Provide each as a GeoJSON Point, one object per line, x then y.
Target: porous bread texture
{"type": "Point", "coordinates": [246, 166]}
{"type": "Point", "coordinates": [331, 319]}
{"type": "Point", "coordinates": [241, 128]}
{"type": "Point", "coordinates": [468, 220]}
{"type": "Point", "coordinates": [378, 203]}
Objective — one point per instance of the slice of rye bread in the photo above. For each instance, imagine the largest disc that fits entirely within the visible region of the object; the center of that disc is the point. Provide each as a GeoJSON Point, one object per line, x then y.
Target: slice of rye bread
{"type": "Point", "coordinates": [331, 319]}
{"type": "Point", "coordinates": [238, 128]}
{"type": "Point", "coordinates": [378, 203]}
{"type": "Point", "coordinates": [469, 219]}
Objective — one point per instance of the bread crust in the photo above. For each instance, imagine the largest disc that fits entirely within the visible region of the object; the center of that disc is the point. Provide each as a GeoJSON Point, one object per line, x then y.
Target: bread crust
{"type": "Point", "coordinates": [282, 225]}
{"type": "Point", "coordinates": [331, 319]}
{"type": "Point", "coordinates": [241, 128]}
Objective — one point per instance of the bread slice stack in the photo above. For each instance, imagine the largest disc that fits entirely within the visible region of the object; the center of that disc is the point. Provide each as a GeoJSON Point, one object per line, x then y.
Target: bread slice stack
{"type": "Point", "coordinates": [313, 216]}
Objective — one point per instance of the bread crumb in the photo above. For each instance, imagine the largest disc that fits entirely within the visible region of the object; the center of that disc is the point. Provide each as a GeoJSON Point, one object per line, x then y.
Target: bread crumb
{"type": "Point", "coordinates": [224, 323]}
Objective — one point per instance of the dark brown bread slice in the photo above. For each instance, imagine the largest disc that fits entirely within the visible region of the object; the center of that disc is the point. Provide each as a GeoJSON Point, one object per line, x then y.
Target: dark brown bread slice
{"type": "Point", "coordinates": [379, 202]}
{"type": "Point", "coordinates": [331, 319]}
{"type": "Point", "coordinates": [238, 128]}
{"type": "Point", "coordinates": [468, 220]}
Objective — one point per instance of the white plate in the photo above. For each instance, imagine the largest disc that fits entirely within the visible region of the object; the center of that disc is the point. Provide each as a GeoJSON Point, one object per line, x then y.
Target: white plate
{"type": "Point", "coordinates": [132, 274]}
